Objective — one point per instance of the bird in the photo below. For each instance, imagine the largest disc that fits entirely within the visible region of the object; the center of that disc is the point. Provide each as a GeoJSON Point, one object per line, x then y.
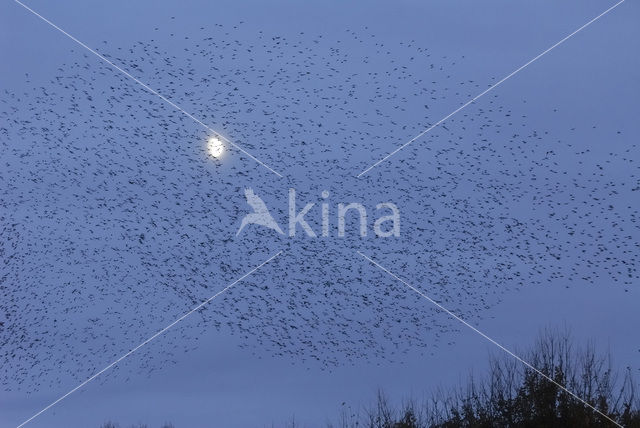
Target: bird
{"type": "Point", "coordinates": [115, 221]}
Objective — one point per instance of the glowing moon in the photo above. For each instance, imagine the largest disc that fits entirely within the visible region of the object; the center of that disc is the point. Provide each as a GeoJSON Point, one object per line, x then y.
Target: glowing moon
{"type": "Point", "coordinates": [216, 147]}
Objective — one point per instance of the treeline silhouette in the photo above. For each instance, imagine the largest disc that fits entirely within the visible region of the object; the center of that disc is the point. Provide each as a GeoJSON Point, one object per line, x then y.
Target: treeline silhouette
{"type": "Point", "coordinates": [512, 395]}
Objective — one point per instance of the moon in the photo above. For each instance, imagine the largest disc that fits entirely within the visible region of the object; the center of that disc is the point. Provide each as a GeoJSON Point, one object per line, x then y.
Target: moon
{"type": "Point", "coordinates": [215, 147]}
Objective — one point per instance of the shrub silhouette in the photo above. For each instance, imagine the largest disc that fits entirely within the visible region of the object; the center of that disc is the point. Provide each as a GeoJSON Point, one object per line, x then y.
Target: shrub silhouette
{"type": "Point", "coordinates": [512, 395]}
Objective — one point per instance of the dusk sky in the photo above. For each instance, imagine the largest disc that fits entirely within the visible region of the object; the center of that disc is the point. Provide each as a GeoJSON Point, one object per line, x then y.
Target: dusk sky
{"type": "Point", "coordinates": [133, 146]}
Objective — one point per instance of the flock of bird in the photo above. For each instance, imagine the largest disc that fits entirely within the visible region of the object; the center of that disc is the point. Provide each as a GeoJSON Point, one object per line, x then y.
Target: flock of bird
{"type": "Point", "coordinates": [115, 222]}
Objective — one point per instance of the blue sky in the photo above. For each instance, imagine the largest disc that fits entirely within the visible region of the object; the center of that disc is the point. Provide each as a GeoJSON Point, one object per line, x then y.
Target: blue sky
{"type": "Point", "coordinates": [544, 165]}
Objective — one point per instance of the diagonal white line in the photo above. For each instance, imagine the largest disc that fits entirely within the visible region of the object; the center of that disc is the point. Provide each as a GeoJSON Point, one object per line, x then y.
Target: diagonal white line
{"type": "Point", "coordinates": [472, 100]}
{"type": "Point", "coordinates": [149, 89]}
{"type": "Point", "coordinates": [488, 338]}
{"type": "Point", "coordinates": [149, 339]}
